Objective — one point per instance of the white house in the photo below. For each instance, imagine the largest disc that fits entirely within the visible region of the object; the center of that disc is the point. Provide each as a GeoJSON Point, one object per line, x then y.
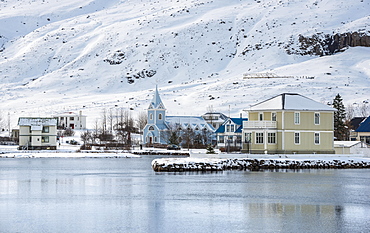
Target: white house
{"type": "Point", "coordinates": [71, 120]}
{"type": "Point", "coordinates": [37, 133]}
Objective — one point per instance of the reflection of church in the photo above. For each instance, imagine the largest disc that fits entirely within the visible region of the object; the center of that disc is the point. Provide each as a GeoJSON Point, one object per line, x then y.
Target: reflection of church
{"type": "Point", "coordinates": [159, 123]}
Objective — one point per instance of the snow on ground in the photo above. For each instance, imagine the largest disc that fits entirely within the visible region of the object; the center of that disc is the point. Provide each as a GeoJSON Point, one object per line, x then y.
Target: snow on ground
{"type": "Point", "coordinates": [81, 55]}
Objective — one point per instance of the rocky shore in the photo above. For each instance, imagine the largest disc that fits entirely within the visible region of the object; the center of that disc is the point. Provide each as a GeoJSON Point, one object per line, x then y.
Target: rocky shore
{"type": "Point", "coordinates": [198, 164]}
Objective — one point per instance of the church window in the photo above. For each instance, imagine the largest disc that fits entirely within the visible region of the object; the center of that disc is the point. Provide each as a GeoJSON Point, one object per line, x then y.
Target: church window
{"type": "Point", "coordinates": [151, 128]}
{"type": "Point", "coordinates": [160, 116]}
{"type": "Point", "coordinates": [151, 116]}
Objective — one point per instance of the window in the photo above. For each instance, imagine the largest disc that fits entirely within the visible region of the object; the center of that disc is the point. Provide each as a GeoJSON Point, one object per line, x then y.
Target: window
{"type": "Point", "coordinates": [45, 139]}
{"type": "Point", "coordinates": [247, 137]}
{"type": "Point", "coordinates": [232, 128]}
{"type": "Point", "coordinates": [317, 138]}
{"type": "Point", "coordinates": [296, 138]}
{"type": "Point", "coordinates": [260, 116]}
{"type": "Point", "coordinates": [259, 138]}
{"type": "Point", "coordinates": [317, 118]}
{"type": "Point", "coordinates": [296, 118]}
{"type": "Point", "coordinates": [273, 116]}
{"type": "Point", "coordinates": [151, 116]}
{"type": "Point", "coordinates": [227, 128]}
{"type": "Point", "coordinates": [155, 139]}
{"type": "Point", "coordinates": [221, 139]}
{"type": "Point", "coordinates": [72, 118]}
{"type": "Point", "coordinates": [160, 116]}
{"type": "Point", "coordinates": [271, 138]}
{"type": "Point", "coordinates": [45, 129]}
{"type": "Point", "coordinates": [151, 128]}
{"type": "Point", "coordinates": [61, 118]}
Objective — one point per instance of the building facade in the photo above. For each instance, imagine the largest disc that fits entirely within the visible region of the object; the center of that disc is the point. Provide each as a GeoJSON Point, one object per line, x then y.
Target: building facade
{"type": "Point", "coordinates": [229, 134]}
{"type": "Point", "coordinates": [71, 120]}
{"type": "Point", "coordinates": [36, 133]}
{"type": "Point", "coordinates": [289, 123]}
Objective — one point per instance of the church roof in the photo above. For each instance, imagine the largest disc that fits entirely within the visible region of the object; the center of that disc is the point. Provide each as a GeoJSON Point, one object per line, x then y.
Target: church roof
{"type": "Point", "coordinates": [189, 121]}
{"type": "Point", "coordinates": [290, 101]}
{"type": "Point", "coordinates": [156, 102]}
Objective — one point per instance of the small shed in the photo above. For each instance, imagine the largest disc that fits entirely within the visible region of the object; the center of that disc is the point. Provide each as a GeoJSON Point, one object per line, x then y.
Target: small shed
{"type": "Point", "coordinates": [350, 147]}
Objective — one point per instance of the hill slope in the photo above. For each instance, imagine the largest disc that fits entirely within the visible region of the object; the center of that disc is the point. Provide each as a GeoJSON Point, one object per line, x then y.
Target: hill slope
{"type": "Point", "coordinates": [71, 55]}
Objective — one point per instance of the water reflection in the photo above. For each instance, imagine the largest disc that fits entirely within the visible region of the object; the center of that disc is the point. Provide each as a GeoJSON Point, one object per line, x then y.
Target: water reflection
{"type": "Point", "coordinates": [127, 196]}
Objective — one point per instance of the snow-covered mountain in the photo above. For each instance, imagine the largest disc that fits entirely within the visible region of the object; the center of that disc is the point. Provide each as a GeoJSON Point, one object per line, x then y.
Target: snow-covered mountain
{"type": "Point", "coordinates": [70, 55]}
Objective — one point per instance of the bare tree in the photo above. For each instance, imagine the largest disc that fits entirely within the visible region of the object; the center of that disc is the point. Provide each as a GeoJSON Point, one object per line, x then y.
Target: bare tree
{"type": "Point", "coordinates": [110, 120]}
{"type": "Point", "coordinates": [364, 109]}
{"type": "Point", "coordinates": [172, 135]}
{"type": "Point", "coordinates": [350, 112]}
{"type": "Point", "coordinates": [125, 127]}
{"type": "Point", "coordinates": [142, 120]}
{"type": "Point", "coordinates": [188, 136]}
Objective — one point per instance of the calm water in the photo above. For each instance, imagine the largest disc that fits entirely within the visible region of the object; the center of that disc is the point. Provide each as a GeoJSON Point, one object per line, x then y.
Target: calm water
{"type": "Point", "coordinates": [125, 195]}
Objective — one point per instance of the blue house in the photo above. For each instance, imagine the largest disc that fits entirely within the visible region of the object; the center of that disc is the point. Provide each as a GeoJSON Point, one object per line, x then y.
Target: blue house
{"type": "Point", "coordinates": [158, 126]}
{"type": "Point", "coordinates": [363, 131]}
{"type": "Point", "coordinates": [229, 134]}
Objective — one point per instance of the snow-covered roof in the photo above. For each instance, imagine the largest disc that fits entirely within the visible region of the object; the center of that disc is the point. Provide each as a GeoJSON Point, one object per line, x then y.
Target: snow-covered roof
{"type": "Point", "coordinates": [346, 143]}
{"type": "Point", "coordinates": [67, 114]}
{"type": "Point", "coordinates": [36, 122]}
{"type": "Point", "coordinates": [290, 101]}
{"type": "Point", "coordinates": [189, 121]}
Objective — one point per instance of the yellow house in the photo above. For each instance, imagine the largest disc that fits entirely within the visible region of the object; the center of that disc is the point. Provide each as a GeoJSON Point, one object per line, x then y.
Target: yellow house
{"type": "Point", "coordinates": [287, 124]}
{"type": "Point", "coordinates": [36, 133]}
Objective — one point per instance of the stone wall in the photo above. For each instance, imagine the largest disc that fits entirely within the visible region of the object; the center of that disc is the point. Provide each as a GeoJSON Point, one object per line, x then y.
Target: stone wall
{"type": "Point", "coordinates": [180, 165]}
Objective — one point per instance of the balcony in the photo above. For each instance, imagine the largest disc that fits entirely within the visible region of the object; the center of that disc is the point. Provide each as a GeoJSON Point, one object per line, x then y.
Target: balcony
{"type": "Point", "coordinates": [259, 124]}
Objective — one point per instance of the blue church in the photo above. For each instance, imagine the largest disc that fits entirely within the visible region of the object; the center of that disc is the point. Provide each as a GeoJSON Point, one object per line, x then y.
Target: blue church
{"type": "Point", "coordinates": [154, 131]}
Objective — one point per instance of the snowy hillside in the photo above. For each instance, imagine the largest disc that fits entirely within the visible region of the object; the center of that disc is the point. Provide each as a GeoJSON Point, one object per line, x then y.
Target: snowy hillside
{"type": "Point", "coordinates": [87, 55]}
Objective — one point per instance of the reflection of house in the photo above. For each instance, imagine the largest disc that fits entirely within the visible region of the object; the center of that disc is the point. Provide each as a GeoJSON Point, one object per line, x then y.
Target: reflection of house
{"type": "Point", "coordinates": [362, 133]}
{"type": "Point", "coordinates": [158, 126]}
{"type": "Point", "coordinates": [71, 120]}
{"type": "Point", "coordinates": [289, 123]}
{"type": "Point", "coordinates": [229, 134]}
{"type": "Point", "coordinates": [36, 133]}
{"type": "Point", "coordinates": [214, 118]}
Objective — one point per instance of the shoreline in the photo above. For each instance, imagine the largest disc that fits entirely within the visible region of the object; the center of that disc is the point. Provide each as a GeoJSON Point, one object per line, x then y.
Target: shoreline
{"type": "Point", "coordinates": [256, 164]}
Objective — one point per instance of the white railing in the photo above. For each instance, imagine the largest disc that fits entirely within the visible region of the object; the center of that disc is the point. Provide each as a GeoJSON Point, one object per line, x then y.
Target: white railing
{"type": "Point", "coordinates": [259, 124]}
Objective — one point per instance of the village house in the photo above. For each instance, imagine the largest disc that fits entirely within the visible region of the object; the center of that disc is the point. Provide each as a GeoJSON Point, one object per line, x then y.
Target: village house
{"type": "Point", "coordinates": [216, 119]}
{"type": "Point", "coordinates": [159, 125]}
{"type": "Point", "coordinates": [289, 123]}
{"type": "Point", "coordinates": [362, 132]}
{"type": "Point", "coordinates": [37, 133]}
{"type": "Point", "coordinates": [229, 134]}
{"type": "Point", "coordinates": [71, 120]}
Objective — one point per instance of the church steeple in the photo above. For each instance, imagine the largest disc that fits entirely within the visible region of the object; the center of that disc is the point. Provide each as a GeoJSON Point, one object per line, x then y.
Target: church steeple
{"type": "Point", "coordinates": [156, 110]}
{"type": "Point", "coordinates": [156, 102]}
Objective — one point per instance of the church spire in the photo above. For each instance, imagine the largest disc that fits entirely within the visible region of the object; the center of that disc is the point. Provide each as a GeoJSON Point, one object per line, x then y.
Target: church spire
{"type": "Point", "coordinates": [156, 102]}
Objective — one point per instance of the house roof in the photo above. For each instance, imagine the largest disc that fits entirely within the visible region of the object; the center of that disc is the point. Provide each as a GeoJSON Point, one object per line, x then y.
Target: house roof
{"type": "Point", "coordinates": [68, 114]}
{"type": "Point", "coordinates": [36, 122]}
{"type": "Point", "coordinates": [346, 143]}
{"type": "Point", "coordinates": [290, 101]}
{"type": "Point", "coordinates": [236, 121]}
{"type": "Point", "coordinates": [364, 126]}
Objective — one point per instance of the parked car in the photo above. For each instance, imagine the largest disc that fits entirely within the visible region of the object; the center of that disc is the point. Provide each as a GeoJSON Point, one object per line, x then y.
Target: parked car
{"type": "Point", "coordinates": [173, 147]}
